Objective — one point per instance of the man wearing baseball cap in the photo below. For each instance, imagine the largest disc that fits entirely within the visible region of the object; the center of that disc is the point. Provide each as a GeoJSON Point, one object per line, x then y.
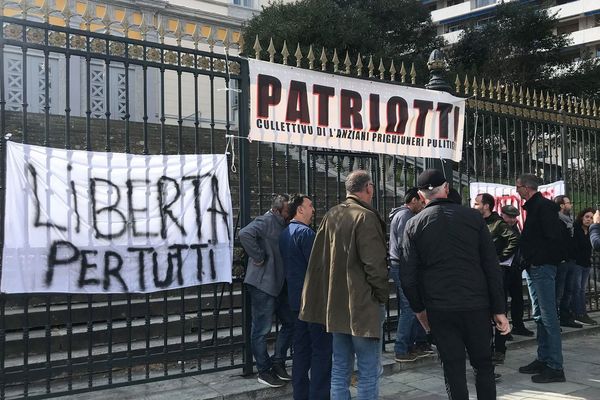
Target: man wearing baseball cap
{"type": "Point", "coordinates": [453, 283]}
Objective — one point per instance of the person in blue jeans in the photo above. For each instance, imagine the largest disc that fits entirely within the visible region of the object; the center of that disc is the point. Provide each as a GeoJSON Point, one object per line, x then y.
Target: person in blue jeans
{"type": "Point", "coordinates": [265, 283]}
{"type": "Point", "coordinates": [312, 344]}
{"type": "Point", "coordinates": [346, 287]}
{"type": "Point", "coordinates": [583, 262]}
{"type": "Point", "coordinates": [543, 248]}
{"type": "Point", "coordinates": [411, 340]}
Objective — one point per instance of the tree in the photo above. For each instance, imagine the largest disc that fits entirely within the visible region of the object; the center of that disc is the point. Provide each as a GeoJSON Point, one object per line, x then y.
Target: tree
{"type": "Point", "coordinates": [390, 29]}
{"type": "Point", "coordinates": [518, 45]}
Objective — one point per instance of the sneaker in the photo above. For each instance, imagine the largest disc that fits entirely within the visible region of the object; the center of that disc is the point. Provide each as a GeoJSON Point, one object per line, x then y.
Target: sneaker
{"type": "Point", "coordinates": [408, 357]}
{"type": "Point", "coordinates": [549, 375]}
{"type": "Point", "coordinates": [585, 319]}
{"type": "Point", "coordinates": [535, 367]}
{"type": "Point", "coordinates": [424, 348]}
{"type": "Point", "coordinates": [280, 372]}
{"type": "Point", "coordinates": [269, 379]}
{"type": "Point", "coordinates": [498, 358]}
{"type": "Point", "coordinates": [522, 331]}
{"type": "Point", "coordinates": [570, 323]}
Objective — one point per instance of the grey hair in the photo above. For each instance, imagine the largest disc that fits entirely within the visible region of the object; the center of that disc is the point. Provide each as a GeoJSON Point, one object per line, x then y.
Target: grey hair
{"type": "Point", "coordinates": [428, 194]}
{"type": "Point", "coordinates": [357, 180]}
{"type": "Point", "coordinates": [530, 181]}
{"type": "Point", "coordinates": [279, 201]}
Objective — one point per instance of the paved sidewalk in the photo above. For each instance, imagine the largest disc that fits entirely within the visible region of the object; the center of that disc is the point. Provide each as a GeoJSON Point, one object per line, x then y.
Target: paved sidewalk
{"type": "Point", "coordinates": [421, 380]}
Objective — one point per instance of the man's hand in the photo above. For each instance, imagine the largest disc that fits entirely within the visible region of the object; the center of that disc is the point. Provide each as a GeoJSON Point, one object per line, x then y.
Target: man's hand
{"type": "Point", "coordinates": [502, 324]}
{"type": "Point", "coordinates": [422, 317]}
{"type": "Point", "coordinates": [597, 217]}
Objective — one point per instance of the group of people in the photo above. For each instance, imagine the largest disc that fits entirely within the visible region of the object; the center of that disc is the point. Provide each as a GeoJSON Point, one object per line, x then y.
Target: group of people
{"type": "Point", "coordinates": [454, 268]}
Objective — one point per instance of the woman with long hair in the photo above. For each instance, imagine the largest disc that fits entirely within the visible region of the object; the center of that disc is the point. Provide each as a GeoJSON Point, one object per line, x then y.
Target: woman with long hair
{"type": "Point", "coordinates": [579, 278]}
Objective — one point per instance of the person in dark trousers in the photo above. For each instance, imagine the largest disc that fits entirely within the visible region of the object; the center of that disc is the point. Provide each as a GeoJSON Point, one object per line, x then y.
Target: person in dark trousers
{"type": "Point", "coordinates": [506, 243]}
{"type": "Point", "coordinates": [265, 282]}
{"type": "Point", "coordinates": [453, 283]}
{"type": "Point", "coordinates": [411, 340]}
{"type": "Point", "coordinates": [312, 344]}
{"type": "Point", "coordinates": [595, 231]}
{"type": "Point", "coordinates": [583, 262]}
{"type": "Point", "coordinates": [513, 277]}
{"type": "Point", "coordinates": [542, 243]}
{"type": "Point", "coordinates": [565, 270]}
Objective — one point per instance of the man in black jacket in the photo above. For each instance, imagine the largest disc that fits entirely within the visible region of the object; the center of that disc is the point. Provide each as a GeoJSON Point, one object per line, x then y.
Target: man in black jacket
{"type": "Point", "coordinates": [453, 283]}
{"type": "Point", "coordinates": [543, 248]}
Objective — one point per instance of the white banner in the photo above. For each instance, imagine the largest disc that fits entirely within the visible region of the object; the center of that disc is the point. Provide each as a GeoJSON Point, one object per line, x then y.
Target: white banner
{"type": "Point", "coordinates": [504, 194]}
{"type": "Point", "coordinates": [87, 222]}
{"type": "Point", "coordinates": [308, 108]}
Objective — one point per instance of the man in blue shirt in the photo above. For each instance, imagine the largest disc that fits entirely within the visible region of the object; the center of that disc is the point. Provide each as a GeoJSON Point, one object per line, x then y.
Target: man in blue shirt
{"type": "Point", "coordinates": [312, 344]}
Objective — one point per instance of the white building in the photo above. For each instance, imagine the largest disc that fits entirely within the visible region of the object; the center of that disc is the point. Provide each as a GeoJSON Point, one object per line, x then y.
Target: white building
{"type": "Point", "coordinates": [580, 19]}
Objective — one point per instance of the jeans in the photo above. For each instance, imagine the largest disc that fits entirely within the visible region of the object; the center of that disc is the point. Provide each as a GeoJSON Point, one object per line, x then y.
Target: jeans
{"type": "Point", "coordinates": [312, 352]}
{"type": "Point", "coordinates": [453, 332]}
{"type": "Point", "coordinates": [578, 287]}
{"type": "Point", "coordinates": [368, 356]}
{"type": "Point", "coordinates": [563, 288]}
{"type": "Point", "coordinates": [409, 328]}
{"type": "Point", "coordinates": [263, 307]}
{"type": "Point", "coordinates": [542, 285]}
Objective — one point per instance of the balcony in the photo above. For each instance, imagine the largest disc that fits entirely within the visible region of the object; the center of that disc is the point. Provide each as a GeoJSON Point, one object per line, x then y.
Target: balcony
{"type": "Point", "coordinates": [575, 8]}
{"type": "Point", "coordinates": [585, 36]}
{"type": "Point", "coordinates": [452, 37]}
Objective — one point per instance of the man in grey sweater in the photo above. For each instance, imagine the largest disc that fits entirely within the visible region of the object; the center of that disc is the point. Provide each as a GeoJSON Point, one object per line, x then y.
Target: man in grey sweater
{"type": "Point", "coordinates": [265, 282]}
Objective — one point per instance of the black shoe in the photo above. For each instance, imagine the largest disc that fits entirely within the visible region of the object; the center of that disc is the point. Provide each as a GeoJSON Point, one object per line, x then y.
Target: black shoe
{"type": "Point", "coordinates": [570, 323]}
{"type": "Point", "coordinates": [535, 367]}
{"type": "Point", "coordinates": [497, 377]}
{"type": "Point", "coordinates": [549, 375]}
{"type": "Point", "coordinates": [498, 358]}
{"type": "Point", "coordinates": [269, 379]}
{"type": "Point", "coordinates": [585, 320]}
{"type": "Point", "coordinates": [280, 372]}
{"type": "Point", "coordinates": [522, 331]}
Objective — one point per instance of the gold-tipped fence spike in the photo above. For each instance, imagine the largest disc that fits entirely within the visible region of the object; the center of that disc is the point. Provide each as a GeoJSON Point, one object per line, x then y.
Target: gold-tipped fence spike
{"type": "Point", "coordinates": [482, 87]}
{"type": "Point", "coordinates": [257, 48]}
{"type": "Point", "coordinates": [475, 87]}
{"type": "Point", "coordinates": [457, 84]}
{"type": "Point", "coordinates": [392, 72]}
{"type": "Point", "coordinates": [413, 74]}
{"type": "Point", "coordinates": [285, 53]}
{"type": "Point", "coordinates": [555, 102]}
{"type": "Point", "coordinates": [347, 63]}
{"type": "Point", "coordinates": [371, 66]}
{"type": "Point", "coordinates": [569, 107]}
{"type": "Point", "coordinates": [87, 17]}
{"type": "Point", "coordinates": [67, 14]}
{"type": "Point", "coordinates": [402, 73]}
{"type": "Point", "coordinates": [311, 57]}
{"type": "Point", "coordinates": [144, 27]}
{"type": "Point", "coordinates": [507, 93]}
{"type": "Point", "coordinates": [594, 109]}
{"type": "Point", "coordinates": [271, 50]}
{"type": "Point", "coordinates": [534, 98]}
{"type": "Point", "coordinates": [125, 23]}
{"type": "Point", "coordinates": [381, 69]}
{"type": "Point", "coordinates": [548, 100]}
{"type": "Point", "coordinates": [336, 61]}
{"type": "Point", "coordinates": [160, 29]}
{"type": "Point", "coordinates": [107, 22]}
{"type": "Point", "coordinates": [298, 55]}
{"type": "Point", "coordinates": [513, 93]}
{"type": "Point", "coordinates": [527, 97]}
{"type": "Point", "coordinates": [46, 11]}
{"type": "Point", "coordinates": [179, 35]}
{"type": "Point", "coordinates": [491, 89]}
{"type": "Point", "coordinates": [562, 102]}
{"type": "Point", "coordinates": [359, 65]}
{"type": "Point", "coordinates": [241, 43]}
{"type": "Point", "coordinates": [323, 59]}
{"type": "Point", "coordinates": [466, 84]}
{"type": "Point", "coordinates": [498, 91]}
{"type": "Point", "coordinates": [583, 110]}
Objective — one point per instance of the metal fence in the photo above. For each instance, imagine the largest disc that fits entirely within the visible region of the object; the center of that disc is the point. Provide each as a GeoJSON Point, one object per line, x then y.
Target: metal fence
{"type": "Point", "coordinates": [76, 89]}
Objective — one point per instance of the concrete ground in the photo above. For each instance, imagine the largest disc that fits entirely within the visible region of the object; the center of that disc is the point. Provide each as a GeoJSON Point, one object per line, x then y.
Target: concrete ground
{"type": "Point", "coordinates": [421, 380]}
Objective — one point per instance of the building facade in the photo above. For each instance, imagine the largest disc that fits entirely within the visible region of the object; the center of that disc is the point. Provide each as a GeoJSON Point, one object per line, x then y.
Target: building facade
{"type": "Point", "coordinates": [580, 19]}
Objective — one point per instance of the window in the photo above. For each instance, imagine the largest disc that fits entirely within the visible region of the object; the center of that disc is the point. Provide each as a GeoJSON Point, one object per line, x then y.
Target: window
{"type": "Point", "coordinates": [483, 3]}
{"type": "Point", "coordinates": [456, 26]}
{"type": "Point", "coordinates": [567, 27]}
{"type": "Point", "coordinates": [454, 2]}
{"type": "Point", "coordinates": [243, 3]}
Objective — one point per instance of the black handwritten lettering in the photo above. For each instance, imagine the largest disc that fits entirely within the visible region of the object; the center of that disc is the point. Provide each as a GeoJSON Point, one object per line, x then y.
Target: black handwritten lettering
{"type": "Point", "coordinates": [115, 272]}
{"type": "Point", "coordinates": [141, 264]}
{"type": "Point", "coordinates": [37, 222]}
{"type": "Point", "coordinates": [111, 208]}
{"type": "Point", "coordinates": [85, 265]}
{"type": "Point", "coordinates": [178, 258]}
{"type": "Point", "coordinates": [214, 210]}
{"type": "Point", "coordinates": [54, 261]}
{"type": "Point", "coordinates": [165, 207]}
{"type": "Point", "coordinates": [198, 248]}
{"type": "Point", "coordinates": [131, 210]}
{"type": "Point", "coordinates": [165, 283]}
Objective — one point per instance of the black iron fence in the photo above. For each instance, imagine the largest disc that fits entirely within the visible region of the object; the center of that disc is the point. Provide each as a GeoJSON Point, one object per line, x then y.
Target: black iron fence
{"type": "Point", "coordinates": [77, 89]}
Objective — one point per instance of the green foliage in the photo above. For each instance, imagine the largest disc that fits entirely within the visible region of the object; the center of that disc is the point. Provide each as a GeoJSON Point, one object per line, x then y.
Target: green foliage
{"type": "Point", "coordinates": [518, 45]}
{"type": "Point", "coordinates": [390, 29]}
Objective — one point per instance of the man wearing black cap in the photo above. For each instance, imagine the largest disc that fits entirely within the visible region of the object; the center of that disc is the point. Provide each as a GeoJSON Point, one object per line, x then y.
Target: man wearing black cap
{"type": "Point", "coordinates": [513, 277]}
{"type": "Point", "coordinates": [453, 282]}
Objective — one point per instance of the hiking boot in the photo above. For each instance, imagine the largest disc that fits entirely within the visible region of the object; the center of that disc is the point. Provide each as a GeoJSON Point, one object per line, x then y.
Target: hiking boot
{"type": "Point", "coordinates": [585, 319]}
{"type": "Point", "coordinates": [535, 367]}
{"type": "Point", "coordinates": [280, 372]}
{"type": "Point", "coordinates": [498, 358]}
{"type": "Point", "coordinates": [521, 331]}
{"type": "Point", "coordinates": [549, 375]}
{"type": "Point", "coordinates": [570, 323]}
{"type": "Point", "coordinates": [408, 357]}
{"type": "Point", "coordinates": [269, 379]}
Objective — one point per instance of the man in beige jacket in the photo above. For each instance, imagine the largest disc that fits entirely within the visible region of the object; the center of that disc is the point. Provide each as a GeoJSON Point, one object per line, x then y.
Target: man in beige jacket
{"type": "Point", "coordinates": [346, 286]}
